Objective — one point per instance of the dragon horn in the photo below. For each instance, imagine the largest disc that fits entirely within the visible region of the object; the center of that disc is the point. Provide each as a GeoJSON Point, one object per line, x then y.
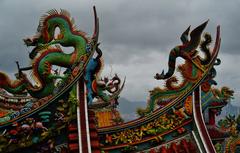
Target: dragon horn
{"type": "Point", "coordinates": [96, 26]}
{"type": "Point", "coordinates": [195, 37]}
{"type": "Point", "coordinates": [184, 36]}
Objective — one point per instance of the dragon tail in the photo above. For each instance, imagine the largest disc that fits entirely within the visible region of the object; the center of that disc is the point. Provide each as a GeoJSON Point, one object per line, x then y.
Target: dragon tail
{"type": "Point", "coordinates": [195, 38]}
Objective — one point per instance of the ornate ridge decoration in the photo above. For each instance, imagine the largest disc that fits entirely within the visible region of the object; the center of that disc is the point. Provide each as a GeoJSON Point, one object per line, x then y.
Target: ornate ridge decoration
{"type": "Point", "coordinates": [155, 130]}
{"type": "Point", "coordinates": [191, 71]}
{"type": "Point", "coordinates": [47, 52]}
{"type": "Point", "coordinates": [132, 134]}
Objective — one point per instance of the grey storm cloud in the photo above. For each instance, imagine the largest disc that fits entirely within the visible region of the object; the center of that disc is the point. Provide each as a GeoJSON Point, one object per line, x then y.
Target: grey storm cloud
{"type": "Point", "coordinates": [137, 33]}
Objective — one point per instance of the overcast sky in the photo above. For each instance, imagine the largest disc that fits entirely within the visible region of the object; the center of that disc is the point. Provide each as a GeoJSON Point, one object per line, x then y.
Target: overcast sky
{"type": "Point", "coordinates": [136, 36]}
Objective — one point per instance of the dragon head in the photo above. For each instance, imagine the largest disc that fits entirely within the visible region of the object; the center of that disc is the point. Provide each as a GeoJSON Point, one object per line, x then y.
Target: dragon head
{"type": "Point", "coordinates": [42, 39]}
{"type": "Point", "coordinates": [35, 41]}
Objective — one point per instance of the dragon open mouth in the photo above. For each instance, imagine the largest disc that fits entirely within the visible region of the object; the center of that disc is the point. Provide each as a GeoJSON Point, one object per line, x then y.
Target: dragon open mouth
{"type": "Point", "coordinates": [33, 42]}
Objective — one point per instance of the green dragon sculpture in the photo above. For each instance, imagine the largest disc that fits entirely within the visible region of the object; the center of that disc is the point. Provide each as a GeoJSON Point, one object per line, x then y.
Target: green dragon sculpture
{"type": "Point", "coordinates": [45, 54]}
